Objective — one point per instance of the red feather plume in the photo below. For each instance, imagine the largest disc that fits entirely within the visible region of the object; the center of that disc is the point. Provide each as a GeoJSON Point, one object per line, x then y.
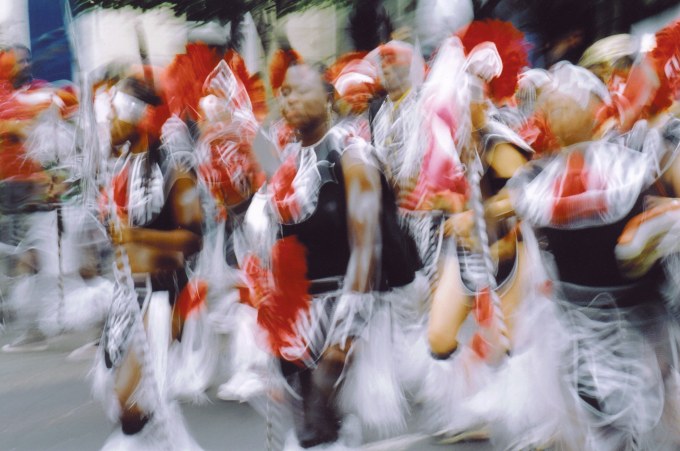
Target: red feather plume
{"type": "Point", "coordinates": [537, 133]}
{"type": "Point", "coordinates": [283, 192]}
{"type": "Point", "coordinates": [511, 46]}
{"type": "Point", "coordinates": [183, 79]}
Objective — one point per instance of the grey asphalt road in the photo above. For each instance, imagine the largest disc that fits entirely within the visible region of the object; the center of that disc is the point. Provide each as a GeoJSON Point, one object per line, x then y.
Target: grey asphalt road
{"type": "Point", "coordinates": [45, 404]}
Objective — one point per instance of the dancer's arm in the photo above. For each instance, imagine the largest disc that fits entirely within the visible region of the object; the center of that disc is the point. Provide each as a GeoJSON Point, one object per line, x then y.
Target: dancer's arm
{"type": "Point", "coordinates": [187, 217]}
{"type": "Point", "coordinates": [362, 188]}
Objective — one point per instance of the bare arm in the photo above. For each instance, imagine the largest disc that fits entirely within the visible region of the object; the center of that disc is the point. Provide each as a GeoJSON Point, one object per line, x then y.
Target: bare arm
{"type": "Point", "coordinates": [363, 192]}
{"type": "Point", "coordinates": [186, 216]}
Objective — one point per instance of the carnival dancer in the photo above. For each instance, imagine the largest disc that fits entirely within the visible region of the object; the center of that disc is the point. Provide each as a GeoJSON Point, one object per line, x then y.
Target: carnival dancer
{"type": "Point", "coordinates": [610, 381]}
{"type": "Point", "coordinates": [232, 175]}
{"type": "Point", "coordinates": [336, 244]}
{"type": "Point", "coordinates": [466, 158]}
{"type": "Point", "coordinates": [32, 183]}
{"type": "Point", "coordinates": [498, 151]}
{"type": "Point", "coordinates": [155, 221]}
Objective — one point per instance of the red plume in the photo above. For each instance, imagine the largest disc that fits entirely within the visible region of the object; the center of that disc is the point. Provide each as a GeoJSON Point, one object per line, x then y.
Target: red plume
{"type": "Point", "coordinates": [281, 61]}
{"type": "Point", "coordinates": [183, 79]}
{"type": "Point", "coordinates": [537, 133]}
{"type": "Point", "coordinates": [511, 46]}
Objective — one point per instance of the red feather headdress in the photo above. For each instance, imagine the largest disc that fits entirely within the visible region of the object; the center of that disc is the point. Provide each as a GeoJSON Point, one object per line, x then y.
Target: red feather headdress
{"type": "Point", "coordinates": [355, 80]}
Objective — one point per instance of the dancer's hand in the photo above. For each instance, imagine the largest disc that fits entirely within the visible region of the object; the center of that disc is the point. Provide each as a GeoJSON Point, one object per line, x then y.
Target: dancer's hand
{"type": "Point", "coordinates": [120, 233]}
{"type": "Point", "coordinates": [462, 227]}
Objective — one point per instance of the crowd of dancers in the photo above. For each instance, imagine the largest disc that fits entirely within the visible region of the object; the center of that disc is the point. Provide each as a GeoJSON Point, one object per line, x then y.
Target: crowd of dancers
{"type": "Point", "coordinates": [459, 243]}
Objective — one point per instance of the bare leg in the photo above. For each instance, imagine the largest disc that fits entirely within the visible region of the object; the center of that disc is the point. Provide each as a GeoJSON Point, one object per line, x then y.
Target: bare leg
{"type": "Point", "coordinates": [127, 379]}
{"type": "Point", "coordinates": [321, 423]}
{"type": "Point", "coordinates": [450, 306]}
{"type": "Point", "coordinates": [512, 297]}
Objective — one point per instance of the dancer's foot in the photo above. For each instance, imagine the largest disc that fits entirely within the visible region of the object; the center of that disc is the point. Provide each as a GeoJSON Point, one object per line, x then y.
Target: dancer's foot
{"type": "Point", "coordinates": [241, 387]}
{"type": "Point", "coordinates": [31, 341]}
{"type": "Point", "coordinates": [84, 353]}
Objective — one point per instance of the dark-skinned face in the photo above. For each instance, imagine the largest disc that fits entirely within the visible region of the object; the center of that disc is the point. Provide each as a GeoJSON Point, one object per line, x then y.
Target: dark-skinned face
{"type": "Point", "coordinates": [304, 101]}
{"type": "Point", "coordinates": [23, 67]}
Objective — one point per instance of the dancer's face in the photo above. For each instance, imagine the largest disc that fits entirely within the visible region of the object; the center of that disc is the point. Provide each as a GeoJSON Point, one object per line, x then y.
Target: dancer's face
{"type": "Point", "coordinates": [396, 67]}
{"type": "Point", "coordinates": [304, 101]}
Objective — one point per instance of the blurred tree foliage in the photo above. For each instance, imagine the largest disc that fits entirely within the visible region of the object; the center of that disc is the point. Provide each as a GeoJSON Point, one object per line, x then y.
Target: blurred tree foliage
{"type": "Point", "coordinates": [206, 10]}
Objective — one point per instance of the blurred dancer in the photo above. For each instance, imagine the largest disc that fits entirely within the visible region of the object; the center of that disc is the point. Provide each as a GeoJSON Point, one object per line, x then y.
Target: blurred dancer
{"type": "Point", "coordinates": [29, 190]}
{"type": "Point", "coordinates": [155, 221]}
{"type": "Point", "coordinates": [336, 246]}
{"type": "Point", "coordinates": [496, 52]}
{"type": "Point", "coordinates": [231, 173]}
{"type": "Point", "coordinates": [604, 376]}
{"type": "Point", "coordinates": [467, 156]}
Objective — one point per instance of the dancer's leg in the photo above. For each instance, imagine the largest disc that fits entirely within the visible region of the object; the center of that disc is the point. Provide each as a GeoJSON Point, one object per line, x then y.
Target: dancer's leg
{"type": "Point", "coordinates": [450, 306]}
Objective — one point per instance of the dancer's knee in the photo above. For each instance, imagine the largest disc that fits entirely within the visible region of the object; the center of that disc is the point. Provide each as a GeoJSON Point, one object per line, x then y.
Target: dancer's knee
{"type": "Point", "coordinates": [442, 342]}
{"type": "Point", "coordinates": [133, 420]}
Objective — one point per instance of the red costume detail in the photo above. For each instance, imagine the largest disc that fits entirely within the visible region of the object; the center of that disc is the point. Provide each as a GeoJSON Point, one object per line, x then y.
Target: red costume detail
{"type": "Point", "coordinates": [283, 192]}
{"type": "Point", "coordinates": [537, 133]}
{"type": "Point", "coordinates": [191, 298]}
{"type": "Point", "coordinates": [666, 62]}
{"type": "Point", "coordinates": [570, 201]}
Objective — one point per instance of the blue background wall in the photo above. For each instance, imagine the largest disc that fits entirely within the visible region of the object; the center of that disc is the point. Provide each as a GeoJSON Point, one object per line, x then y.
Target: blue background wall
{"type": "Point", "coordinates": [51, 52]}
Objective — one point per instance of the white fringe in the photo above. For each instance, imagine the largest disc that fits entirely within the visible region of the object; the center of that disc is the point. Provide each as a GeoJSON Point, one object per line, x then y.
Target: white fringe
{"type": "Point", "coordinates": [371, 389]}
{"type": "Point", "coordinates": [193, 361]}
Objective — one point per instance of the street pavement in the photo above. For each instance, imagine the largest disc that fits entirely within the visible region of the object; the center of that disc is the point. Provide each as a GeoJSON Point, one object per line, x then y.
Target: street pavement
{"type": "Point", "coordinates": [45, 404]}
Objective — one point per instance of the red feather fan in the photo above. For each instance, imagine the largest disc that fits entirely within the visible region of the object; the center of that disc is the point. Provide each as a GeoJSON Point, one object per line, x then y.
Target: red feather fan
{"type": "Point", "coordinates": [288, 298]}
{"type": "Point", "coordinates": [231, 170]}
{"type": "Point", "coordinates": [511, 46]}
